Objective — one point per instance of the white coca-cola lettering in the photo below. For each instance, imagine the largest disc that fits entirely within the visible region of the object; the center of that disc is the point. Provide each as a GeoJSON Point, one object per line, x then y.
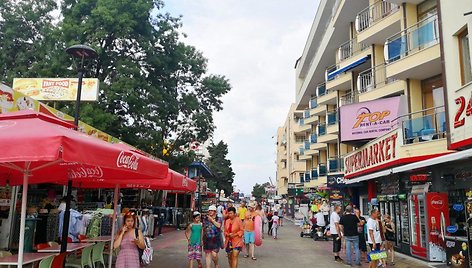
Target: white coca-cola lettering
{"type": "Point", "coordinates": [127, 160]}
{"type": "Point", "coordinates": [85, 172]}
{"type": "Point", "coordinates": [437, 202]}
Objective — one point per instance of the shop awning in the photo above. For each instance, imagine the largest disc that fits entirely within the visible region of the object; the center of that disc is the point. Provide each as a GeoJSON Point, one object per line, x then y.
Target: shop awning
{"type": "Point", "coordinates": [346, 68]}
{"type": "Point", "coordinates": [417, 165]}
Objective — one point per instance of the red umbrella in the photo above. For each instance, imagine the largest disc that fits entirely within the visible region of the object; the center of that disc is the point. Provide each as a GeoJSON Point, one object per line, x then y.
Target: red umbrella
{"type": "Point", "coordinates": [38, 148]}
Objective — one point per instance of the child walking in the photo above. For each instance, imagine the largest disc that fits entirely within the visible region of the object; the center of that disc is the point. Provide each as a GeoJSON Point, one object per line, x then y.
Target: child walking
{"type": "Point", "coordinates": [194, 234]}
{"type": "Point", "coordinates": [275, 224]}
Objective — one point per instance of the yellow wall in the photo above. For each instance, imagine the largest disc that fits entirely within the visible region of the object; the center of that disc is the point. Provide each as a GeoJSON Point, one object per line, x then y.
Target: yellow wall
{"type": "Point", "coordinates": [415, 98]}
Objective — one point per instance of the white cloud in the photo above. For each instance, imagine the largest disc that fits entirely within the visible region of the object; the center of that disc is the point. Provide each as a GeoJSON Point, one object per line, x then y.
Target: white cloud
{"type": "Point", "coordinates": [255, 44]}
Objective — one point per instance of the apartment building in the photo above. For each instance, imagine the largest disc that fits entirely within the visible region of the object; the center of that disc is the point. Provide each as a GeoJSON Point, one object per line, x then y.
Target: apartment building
{"type": "Point", "coordinates": [290, 140]}
{"type": "Point", "coordinates": [370, 85]}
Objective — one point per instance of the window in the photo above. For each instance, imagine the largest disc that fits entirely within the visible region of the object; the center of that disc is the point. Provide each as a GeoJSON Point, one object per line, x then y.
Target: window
{"type": "Point", "coordinates": [464, 57]}
{"type": "Point", "coordinates": [427, 9]}
{"type": "Point", "coordinates": [302, 177]}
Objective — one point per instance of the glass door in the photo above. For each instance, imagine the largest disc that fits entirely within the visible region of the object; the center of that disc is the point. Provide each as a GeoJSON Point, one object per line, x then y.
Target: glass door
{"type": "Point", "coordinates": [422, 214]}
{"type": "Point", "coordinates": [413, 220]}
{"type": "Point", "coordinates": [405, 224]}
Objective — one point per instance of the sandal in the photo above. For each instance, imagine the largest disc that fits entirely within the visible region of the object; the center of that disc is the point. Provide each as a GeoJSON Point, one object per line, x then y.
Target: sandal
{"type": "Point", "coordinates": [246, 256]}
{"type": "Point", "coordinates": [254, 258]}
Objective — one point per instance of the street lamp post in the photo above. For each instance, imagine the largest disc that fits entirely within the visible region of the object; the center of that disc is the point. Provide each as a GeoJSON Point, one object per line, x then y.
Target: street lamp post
{"type": "Point", "coordinates": [81, 52]}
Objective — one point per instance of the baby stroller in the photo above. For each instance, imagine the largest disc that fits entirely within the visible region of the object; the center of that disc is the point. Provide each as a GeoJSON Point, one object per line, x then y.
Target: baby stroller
{"type": "Point", "coordinates": [306, 230]}
{"type": "Point", "coordinates": [320, 233]}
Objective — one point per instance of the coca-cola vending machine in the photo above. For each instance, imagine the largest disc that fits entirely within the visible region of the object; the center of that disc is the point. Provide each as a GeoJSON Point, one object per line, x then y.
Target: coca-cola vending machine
{"type": "Point", "coordinates": [429, 217]}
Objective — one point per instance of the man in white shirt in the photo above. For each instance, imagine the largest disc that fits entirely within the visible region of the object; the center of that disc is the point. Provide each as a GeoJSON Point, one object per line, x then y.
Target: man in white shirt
{"type": "Point", "coordinates": [320, 221]}
{"type": "Point", "coordinates": [336, 232]}
{"type": "Point", "coordinates": [219, 210]}
{"type": "Point", "coordinates": [373, 234]}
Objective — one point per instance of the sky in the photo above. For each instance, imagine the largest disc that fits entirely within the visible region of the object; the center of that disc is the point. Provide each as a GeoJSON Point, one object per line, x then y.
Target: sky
{"type": "Point", "coordinates": [255, 44]}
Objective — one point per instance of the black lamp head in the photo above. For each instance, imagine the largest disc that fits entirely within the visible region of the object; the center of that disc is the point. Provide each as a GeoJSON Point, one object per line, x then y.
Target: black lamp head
{"type": "Point", "coordinates": [82, 51]}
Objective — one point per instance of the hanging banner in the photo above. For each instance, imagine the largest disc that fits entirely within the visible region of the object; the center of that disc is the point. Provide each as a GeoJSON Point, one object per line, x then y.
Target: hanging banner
{"type": "Point", "coordinates": [57, 89]}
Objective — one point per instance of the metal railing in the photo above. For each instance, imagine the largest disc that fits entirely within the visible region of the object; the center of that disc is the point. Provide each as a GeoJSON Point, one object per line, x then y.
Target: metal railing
{"type": "Point", "coordinates": [431, 126]}
{"type": "Point", "coordinates": [301, 121]}
{"type": "Point", "coordinates": [307, 176]}
{"type": "Point", "coordinates": [313, 138]}
{"type": "Point", "coordinates": [301, 150]}
{"type": "Point", "coordinates": [321, 90]}
{"type": "Point", "coordinates": [321, 129]}
{"type": "Point", "coordinates": [330, 69]}
{"type": "Point", "coordinates": [336, 164]}
{"type": "Point", "coordinates": [348, 98]}
{"type": "Point", "coordinates": [306, 114]}
{"type": "Point", "coordinates": [373, 78]}
{"type": "Point", "coordinates": [307, 144]}
{"type": "Point", "coordinates": [322, 169]}
{"type": "Point", "coordinates": [415, 38]}
{"type": "Point", "coordinates": [313, 103]}
{"type": "Point", "coordinates": [332, 118]}
{"type": "Point", "coordinates": [314, 174]}
{"type": "Point", "coordinates": [350, 48]}
{"type": "Point", "coordinates": [374, 13]}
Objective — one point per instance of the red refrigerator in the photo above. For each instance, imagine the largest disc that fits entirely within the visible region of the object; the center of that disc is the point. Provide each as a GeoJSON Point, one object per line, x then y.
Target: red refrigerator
{"type": "Point", "coordinates": [429, 216]}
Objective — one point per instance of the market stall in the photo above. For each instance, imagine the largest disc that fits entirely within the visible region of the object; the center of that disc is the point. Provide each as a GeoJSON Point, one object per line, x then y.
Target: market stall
{"type": "Point", "coordinates": [37, 148]}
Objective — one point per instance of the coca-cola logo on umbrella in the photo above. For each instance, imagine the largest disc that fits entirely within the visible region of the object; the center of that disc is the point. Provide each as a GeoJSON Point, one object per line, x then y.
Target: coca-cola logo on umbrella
{"type": "Point", "coordinates": [85, 172]}
{"type": "Point", "coordinates": [184, 183]}
{"type": "Point", "coordinates": [437, 202]}
{"type": "Point", "coordinates": [127, 160]}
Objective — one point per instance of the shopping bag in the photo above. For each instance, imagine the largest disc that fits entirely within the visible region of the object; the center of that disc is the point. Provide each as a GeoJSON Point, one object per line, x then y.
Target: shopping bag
{"type": "Point", "coordinates": [376, 255]}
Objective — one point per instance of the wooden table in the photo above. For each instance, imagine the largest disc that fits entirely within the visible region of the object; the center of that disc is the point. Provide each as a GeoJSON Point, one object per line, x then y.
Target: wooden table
{"type": "Point", "coordinates": [27, 258]}
{"type": "Point", "coordinates": [71, 247]}
{"type": "Point", "coordinates": [105, 238]}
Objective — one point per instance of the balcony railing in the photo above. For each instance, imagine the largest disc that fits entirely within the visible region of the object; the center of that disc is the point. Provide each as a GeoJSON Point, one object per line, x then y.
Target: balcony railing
{"type": "Point", "coordinates": [307, 177]}
{"type": "Point", "coordinates": [313, 138]}
{"type": "Point", "coordinates": [307, 145]}
{"type": "Point", "coordinates": [373, 78]}
{"type": "Point", "coordinates": [374, 13]}
{"type": "Point", "coordinates": [301, 150]}
{"type": "Point", "coordinates": [336, 164]}
{"type": "Point", "coordinates": [321, 129]}
{"type": "Point", "coordinates": [415, 38]}
{"type": "Point", "coordinates": [301, 121]}
{"type": "Point", "coordinates": [306, 114]}
{"type": "Point", "coordinates": [322, 169]}
{"type": "Point", "coordinates": [313, 103]}
{"type": "Point", "coordinates": [321, 90]}
{"type": "Point", "coordinates": [431, 126]}
{"type": "Point", "coordinates": [314, 174]}
{"type": "Point", "coordinates": [350, 48]}
{"type": "Point", "coordinates": [348, 98]}
{"type": "Point", "coordinates": [332, 118]}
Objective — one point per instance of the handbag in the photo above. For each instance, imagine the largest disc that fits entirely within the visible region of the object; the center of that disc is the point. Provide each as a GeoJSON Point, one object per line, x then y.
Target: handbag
{"type": "Point", "coordinates": [376, 255]}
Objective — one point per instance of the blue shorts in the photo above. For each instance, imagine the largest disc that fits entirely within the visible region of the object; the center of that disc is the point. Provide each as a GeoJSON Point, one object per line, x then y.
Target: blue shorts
{"type": "Point", "coordinates": [249, 237]}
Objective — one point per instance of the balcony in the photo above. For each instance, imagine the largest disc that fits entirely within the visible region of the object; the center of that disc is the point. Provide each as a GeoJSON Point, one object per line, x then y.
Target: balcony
{"type": "Point", "coordinates": [321, 129]}
{"type": "Point", "coordinates": [319, 146]}
{"type": "Point", "coordinates": [314, 174]}
{"type": "Point", "coordinates": [306, 114]}
{"type": "Point", "coordinates": [318, 111]}
{"type": "Point", "coordinates": [350, 49]}
{"type": "Point", "coordinates": [348, 98]}
{"type": "Point", "coordinates": [307, 177]}
{"type": "Point", "coordinates": [301, 127]}
{"type": "Point", "coordinates": [378, 21]}
{"type": "Point", "coordinates": [399, 2]}
{"type": "Point", "coordinates": [321, 90]}
{"type": "Point", "coordinates": [333, 127]}
{"type": "Point", "coordinates": [375, 78]}
{"type": "Point", "coordinates": [313, 138]}
{"type": "Point", "coordinates": [336, 165]}
{"type": "Point", "coordinates": [312, 120]}
{"type": "Point", "coordinates": [414, 52]}
{"type": "Point", "coordinates": [313, 103]}
{"type": "Point", "coordinates": [326, 133]}
{"type": "Point", "coordinates": [329, 97]}
{"type": "Point", "coordinates": [423, 128]}
{"type": "Point", "coordinates": [340, 81]}
{"type": "Point", "coordinates": [322, 171]}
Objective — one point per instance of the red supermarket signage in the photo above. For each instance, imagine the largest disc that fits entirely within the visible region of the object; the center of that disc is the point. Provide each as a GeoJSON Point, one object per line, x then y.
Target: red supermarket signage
{"type": "Point", "coordinates": [419, 177]}
{"type": "Point", "coordinates": [375, 153]}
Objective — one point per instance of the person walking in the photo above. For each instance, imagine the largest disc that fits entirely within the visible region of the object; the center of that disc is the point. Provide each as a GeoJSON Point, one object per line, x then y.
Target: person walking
{"type": "Point", "coordinates": [194, 235]}
{"type": "Point", "coordinates": [275, 224]}
{"type": "Point", "coordinates": [212, 239]}
{"type": "Point", "coordinates": [389, 237]}
{"type": "Point", "coordinates": [234, 232]}
{"type": "Point", "coordinates": [325, 210]}
{"type": "Point", "coordinates": [249, 234]}
{"type": "Point", "coordinates": [349, 223]}
{"type": "Point", "coordinates": [129, 242]}
{"type": "Point", "coordinates": [373, 234]}
{"type": "Point", "coordinates": [361, 231]}
{"type": "Point", "coordinates": [382, 236]}
{"type": "Point", "coordinates": [269, 222]}
{"type": "Point", "coordinates": [280, 214]}
{"type": "Point", "coordinates": [336, 232]}
{"type": "Point", "coordinates": [242, 211]}
{"type": "Point", "coordinates": [262, 214]}
{"type": "Point", "coordinates": [219, 210]}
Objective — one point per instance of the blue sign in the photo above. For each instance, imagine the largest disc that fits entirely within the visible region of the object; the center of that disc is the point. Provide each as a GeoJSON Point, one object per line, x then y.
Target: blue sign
{"type": "Point", "coordinates": [452, 229]}
{"type": "Point", "coordinates": [458, 207]}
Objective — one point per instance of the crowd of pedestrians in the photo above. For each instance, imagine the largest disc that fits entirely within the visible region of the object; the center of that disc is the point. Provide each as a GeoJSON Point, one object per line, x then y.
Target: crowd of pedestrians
{"type": "Point", "coordinates": [230, 229]}
{"type": "Point", "coordinates": [350, 229]}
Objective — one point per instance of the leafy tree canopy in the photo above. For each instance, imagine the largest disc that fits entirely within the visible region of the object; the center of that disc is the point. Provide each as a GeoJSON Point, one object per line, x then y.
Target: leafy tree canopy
{"type": "Point", "coordinates": [221, 167]}
{"type": "Point", "coordinates": [155, 89]}
{"type": "Point", "coordinates": [258, 190]}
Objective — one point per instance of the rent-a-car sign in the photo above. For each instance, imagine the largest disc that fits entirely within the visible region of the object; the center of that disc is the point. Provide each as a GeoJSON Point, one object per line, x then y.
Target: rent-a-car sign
{"type": "Point", "coordinates": [370, 119]}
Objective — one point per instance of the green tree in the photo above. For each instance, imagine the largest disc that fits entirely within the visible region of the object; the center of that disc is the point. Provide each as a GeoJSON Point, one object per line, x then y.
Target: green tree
{"type": "Point", "coordinates": [154, 88]}
{"type": "Point", "coordinates": [221, 167]}
{"type": "Point", "coordinates": [258, 190]}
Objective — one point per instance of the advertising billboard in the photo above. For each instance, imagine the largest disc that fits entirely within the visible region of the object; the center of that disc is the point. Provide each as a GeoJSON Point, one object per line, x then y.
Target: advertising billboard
{"type": "Point", "coordinates": [57, 89]}
{"type": "Point", "coordinates": [370, 119]}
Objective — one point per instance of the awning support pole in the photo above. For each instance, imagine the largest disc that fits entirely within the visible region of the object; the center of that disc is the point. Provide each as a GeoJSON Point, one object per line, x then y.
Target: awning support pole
{"type": "Point", "coordinates": [113, 225]}
{"type": "Point", "coordinates": [24, 199]}
{"type": "Point", "coordinates": [66, 219]}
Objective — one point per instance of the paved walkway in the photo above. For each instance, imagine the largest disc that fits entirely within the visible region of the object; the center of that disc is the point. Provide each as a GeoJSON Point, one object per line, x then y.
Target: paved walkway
{"type": "Point", "coordinates": [290, 250]}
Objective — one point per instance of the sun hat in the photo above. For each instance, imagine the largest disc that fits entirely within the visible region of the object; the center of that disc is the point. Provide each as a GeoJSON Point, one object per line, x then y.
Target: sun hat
{"type": "Point", "coordinates": [196, 213]}
{"type": "Point", "coordinates": [212, 207]}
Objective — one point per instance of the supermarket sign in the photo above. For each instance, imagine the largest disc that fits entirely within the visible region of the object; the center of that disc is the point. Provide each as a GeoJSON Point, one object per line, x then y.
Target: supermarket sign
{"type": "Point", "coordinates": [57, 89]}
